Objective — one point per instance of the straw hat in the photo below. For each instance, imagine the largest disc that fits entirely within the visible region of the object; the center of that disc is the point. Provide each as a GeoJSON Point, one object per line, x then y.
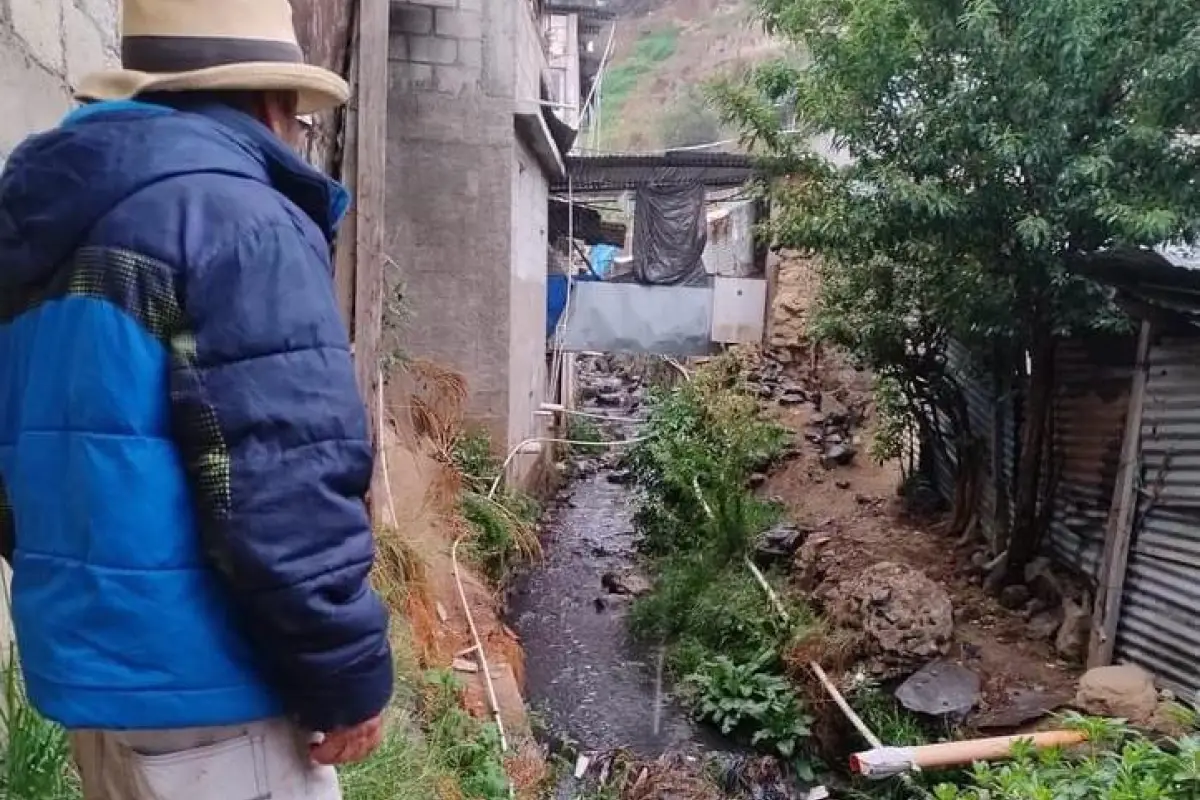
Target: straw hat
{"type": "Point", "coordinates": [213, 45]}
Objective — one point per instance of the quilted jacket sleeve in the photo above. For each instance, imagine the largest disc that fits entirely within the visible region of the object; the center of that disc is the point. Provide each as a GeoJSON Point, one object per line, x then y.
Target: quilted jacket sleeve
{"type": "Point", "coordinates": [273, 429]}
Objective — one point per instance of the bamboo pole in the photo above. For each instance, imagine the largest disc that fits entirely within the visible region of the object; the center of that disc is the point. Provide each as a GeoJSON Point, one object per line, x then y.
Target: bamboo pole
{"type": "Point", "coordinates": [886, 762]}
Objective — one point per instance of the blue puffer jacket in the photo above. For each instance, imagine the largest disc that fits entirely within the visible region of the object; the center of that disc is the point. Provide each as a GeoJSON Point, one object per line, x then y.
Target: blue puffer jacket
{"type": "Point", "coordinates": [183, 450]}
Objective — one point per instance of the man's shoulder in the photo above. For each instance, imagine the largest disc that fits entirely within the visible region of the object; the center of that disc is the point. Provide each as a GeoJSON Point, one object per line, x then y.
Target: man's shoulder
{"type": "Point", "coordinates": [186, 219]}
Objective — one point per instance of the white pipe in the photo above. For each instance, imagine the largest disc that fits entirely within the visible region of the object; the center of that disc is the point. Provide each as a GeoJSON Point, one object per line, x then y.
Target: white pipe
{"type": "Point", "coordinates": [480, 655]}
{"type": "Point", "coordinates": [491, 495]}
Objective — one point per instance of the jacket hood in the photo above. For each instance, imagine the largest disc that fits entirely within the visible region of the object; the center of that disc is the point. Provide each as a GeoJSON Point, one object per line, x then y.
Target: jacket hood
{"type": "Point", "coordinates": [58, 184]}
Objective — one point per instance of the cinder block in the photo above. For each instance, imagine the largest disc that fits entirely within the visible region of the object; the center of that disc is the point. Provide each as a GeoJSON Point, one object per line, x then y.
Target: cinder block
{"type": "Point", "coordinates": [38, 23]}
{"type": "Point", "coordinates": [459, 24]}
{"type": "Point", "coordinates": [406, 77]}
{"type": "Point", "coordinates": [432, 50]}
{"type": "Point", "coordinates": [470, 54]}
{"type": "Point", "coordinates": [455, 79]}
{"type": "Point", "coordinates": [412, 19]}
{"type": "Point", "coordinates": [397, 47]}
{"type": "Point", "coordinates": [31, 98]}
{"type": "Point", "coordinates": [87, 48]}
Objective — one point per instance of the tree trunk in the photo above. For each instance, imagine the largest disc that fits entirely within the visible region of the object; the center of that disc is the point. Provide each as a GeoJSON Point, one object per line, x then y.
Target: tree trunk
{"type": "Point", "coordinates": [1026, 535]}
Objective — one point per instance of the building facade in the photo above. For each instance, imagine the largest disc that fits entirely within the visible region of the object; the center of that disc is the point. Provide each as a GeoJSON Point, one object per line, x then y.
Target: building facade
{"type": "Point", "coordinates": [476, 137]}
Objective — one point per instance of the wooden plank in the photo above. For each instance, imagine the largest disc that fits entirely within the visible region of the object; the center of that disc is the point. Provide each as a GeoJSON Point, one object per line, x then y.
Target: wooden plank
{"type": "Point", "coordinates": [370, 187]}
{"type": "Point", "coordinates": [346, 259]}
{"type": "Point", "coordinates": [1106, 613]}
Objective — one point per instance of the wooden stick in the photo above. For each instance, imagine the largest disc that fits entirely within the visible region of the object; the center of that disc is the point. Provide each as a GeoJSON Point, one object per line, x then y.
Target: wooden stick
{"type": "Point", "coordinates": [885, 762]}
{"type": "Point", "coordinates": [851, 715]}
{"type": "Point", "coordinates": [1119, 531]}
{"type": "Point", "coordinates": [766, 587]}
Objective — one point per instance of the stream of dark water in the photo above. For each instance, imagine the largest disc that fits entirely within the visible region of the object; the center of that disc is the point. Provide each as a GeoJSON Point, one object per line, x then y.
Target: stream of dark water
{"type": "Point", "coordinates": [588, 683]}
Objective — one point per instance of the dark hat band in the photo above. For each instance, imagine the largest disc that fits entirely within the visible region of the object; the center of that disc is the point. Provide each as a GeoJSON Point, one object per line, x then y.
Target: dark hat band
{"type": "Point", "coordinates": [165, 54]}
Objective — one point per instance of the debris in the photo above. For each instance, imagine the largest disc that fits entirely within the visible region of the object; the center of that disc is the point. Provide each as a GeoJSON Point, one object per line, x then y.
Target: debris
{"type": "Point", "coordinates": [620, 477]}
{"type": "Point", "coordinates": [779, 544]}
{"type": "Point", "coordinates": [909, 617]}
{"type": "Point", "coordinates": [1014, 596]}
{"type": "Point", "coordinates": [441, 612]}
{"type": "Point", "coordinates": [838, 455]}
{"type": "Point", "coordinates": [1044, 626]}
{"type": "Point", "coordinates": [1126, 692]}
{"type": "Point", "coordinates": [1022, 706]}
{"type": "Point", "coordinates": [630, 584]}
{"type": "Point", "coordinates": [1072, 639]}
{"type": "Point", "coordinates": [842, 485]}
{"type": "Point", "coordinates": [581, 766]}
{"type": "Point", "coordinates": [463, 665]}
{"type": "Point", "coordinates": [941, 689]}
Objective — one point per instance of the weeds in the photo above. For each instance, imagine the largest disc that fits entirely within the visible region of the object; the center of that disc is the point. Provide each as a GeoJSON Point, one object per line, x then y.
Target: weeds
{"type": "Point", "coordinates": [653, 48]}
{"type": "Point", "coordinates": [442, 753]}
{"type": "Point", "coordinates": [1117, 764]}
{"type": "Point", "coordinates": [35, 756]}
{"type": "Point", "coordinates": [699, 522]}
{"type": "Point", "coordinates": [504, 525]}
{"type": "Point", "coordinates": [704, 435]}
{"type": "Point", "coordinates": [704, 609]}
{"type": "Point", "coordinates": [750, 699]}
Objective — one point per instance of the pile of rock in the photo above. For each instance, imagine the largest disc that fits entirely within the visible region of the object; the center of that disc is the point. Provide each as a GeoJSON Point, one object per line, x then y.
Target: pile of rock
{"type": "Point", "coordinates": [1056, 608]}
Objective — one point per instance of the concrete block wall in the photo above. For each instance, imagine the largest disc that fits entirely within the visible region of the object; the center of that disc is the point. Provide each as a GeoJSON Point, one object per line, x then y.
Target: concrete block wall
{"type": "Point", "coordinates": [46, 46]}
{"type": "Point", "coordinates": [466, 225]}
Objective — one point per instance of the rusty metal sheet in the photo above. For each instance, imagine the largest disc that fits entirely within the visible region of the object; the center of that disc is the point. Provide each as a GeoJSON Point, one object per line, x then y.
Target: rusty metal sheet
{"type": "Point", "coordinates": [1093, 378]}
{"type": "Point", "coordinates": [1159, 627]}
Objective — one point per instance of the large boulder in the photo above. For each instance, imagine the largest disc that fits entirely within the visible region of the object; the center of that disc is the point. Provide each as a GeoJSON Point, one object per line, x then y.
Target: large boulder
{"type": "Point", "coordinates": [906, 616]}
{"type": "Point", "coordinates": [1125, 692]}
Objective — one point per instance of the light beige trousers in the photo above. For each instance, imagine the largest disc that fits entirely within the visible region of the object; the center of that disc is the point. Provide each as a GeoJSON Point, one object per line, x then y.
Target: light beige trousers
{"type": "Point", "coordinates": [261, 761]}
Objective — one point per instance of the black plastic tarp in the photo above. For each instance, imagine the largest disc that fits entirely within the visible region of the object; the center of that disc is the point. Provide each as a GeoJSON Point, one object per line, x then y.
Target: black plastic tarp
{"type": "Point", "coordinates": [670, 230]}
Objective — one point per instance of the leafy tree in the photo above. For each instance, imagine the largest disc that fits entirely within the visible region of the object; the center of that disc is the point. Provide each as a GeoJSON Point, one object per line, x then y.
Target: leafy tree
{"type": "Point", "coordinates": [988, 141]}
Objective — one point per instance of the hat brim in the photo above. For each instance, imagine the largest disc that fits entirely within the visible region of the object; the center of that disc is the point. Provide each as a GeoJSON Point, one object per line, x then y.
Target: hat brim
{"type": "Point", "coordinates": [318, 89]}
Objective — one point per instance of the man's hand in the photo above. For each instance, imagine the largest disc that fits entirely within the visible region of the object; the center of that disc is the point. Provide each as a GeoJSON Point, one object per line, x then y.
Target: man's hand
{"type": "Point", "coordinates": [348, 745]}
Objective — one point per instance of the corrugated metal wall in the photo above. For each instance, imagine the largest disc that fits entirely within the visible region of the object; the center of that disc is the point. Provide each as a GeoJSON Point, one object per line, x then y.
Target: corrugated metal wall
{"type": "Point", "coordinates": [990, 410]}
{"type": "Point", "coordinates": [1090, 403]}
{"type": "Point", "coordinates": [1160, 626]}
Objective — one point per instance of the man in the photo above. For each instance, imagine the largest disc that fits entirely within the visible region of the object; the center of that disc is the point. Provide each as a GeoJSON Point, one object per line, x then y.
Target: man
{"type": "Point", "coordinates": [183, 450]}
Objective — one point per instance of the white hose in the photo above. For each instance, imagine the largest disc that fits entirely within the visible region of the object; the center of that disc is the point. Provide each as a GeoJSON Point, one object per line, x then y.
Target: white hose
{"type": "Point", "coordinates": [550, 440]}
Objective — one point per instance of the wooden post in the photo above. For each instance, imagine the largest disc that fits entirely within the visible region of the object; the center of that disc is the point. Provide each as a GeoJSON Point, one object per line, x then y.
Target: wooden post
{"type": "Point", "coordinates": [1119, 532]}
{"type": "Point", "coordinates": [370, 164]}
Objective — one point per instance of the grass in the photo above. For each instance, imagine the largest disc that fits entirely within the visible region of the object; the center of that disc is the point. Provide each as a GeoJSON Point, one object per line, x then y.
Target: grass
{"type": "Point", "coordinates": [35, 756]}
{"type": "Point", "coordinates": [440, 753]}
{"type": "Point", "coordinates": [652, 48]}
{"type": "Point", "coordinates": [504, 528]}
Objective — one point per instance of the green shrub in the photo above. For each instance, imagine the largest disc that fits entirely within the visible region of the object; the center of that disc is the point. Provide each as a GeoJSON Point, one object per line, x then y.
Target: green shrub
{"type": "Point", "coordinates": [503, 525]}
{"type": "Point", "coordinates": [702, 609]}
{"type": "Point", "coordinates": [748, 698]}
{"type": "Point", "coordinates": [703, 441]}
{"type": "Point", "coordinates": [1117, 764]}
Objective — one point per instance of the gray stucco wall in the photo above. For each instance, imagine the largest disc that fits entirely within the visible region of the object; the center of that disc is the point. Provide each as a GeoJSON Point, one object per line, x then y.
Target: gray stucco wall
{"type": "Point", "coordinates": [46, 46]}
{"type": "Point", "coordinates": [461, 213]}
